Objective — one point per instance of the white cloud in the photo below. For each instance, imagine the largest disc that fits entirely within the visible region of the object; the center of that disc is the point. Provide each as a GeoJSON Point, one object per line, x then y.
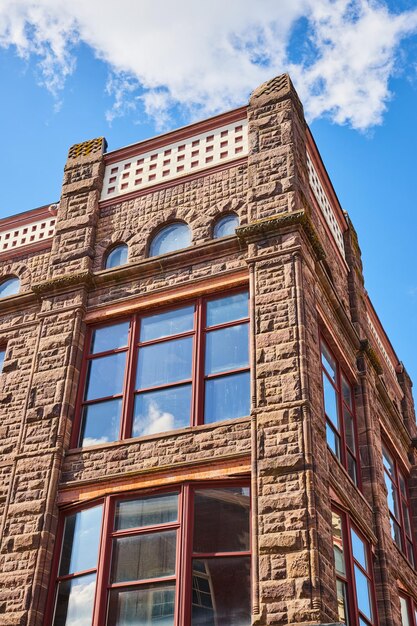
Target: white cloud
{"type": "Point", "coordinates": [156, 421]}
{"type": "Point", "coordinates": [206, 57]}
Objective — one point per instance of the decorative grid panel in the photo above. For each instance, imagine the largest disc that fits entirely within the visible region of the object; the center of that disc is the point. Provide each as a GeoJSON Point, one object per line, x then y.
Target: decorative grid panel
{"type": "Point", "coordinates": [27, 234]}
{"type": "Point", "coordinates": [208, 149]}
{"type": "Point", "coordinates": [325, 206]}
{"type": "Point", "coordinates": [381, 346]}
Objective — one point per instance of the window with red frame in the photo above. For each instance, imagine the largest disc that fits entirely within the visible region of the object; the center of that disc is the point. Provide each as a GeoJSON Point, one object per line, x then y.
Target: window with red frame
{"type": "Point", "coordinates": [398, 504]}
{"type": "Point", "coordinates": [168, 558]}
{"type": "Point", "coordinates": [354, 577]}
{"type": "Point", "coordinates": [166, 370]}
{"type": "Point", "coordinates": [408, 611]}
{"type": "Point", "coordinates": [339, 409]}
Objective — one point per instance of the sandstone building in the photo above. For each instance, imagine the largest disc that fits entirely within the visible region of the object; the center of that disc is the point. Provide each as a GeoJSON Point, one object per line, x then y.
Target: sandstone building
{"type": "Point", "coordinates": [203, 421]}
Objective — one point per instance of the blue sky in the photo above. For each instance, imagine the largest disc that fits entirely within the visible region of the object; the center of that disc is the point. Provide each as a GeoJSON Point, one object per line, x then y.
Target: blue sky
{"type": "Point", "coordinates": [128, 70]}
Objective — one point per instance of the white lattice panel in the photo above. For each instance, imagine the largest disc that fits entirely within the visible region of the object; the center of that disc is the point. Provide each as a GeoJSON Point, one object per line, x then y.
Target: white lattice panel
{"type": "Point", "coordinates": [190, 155]}
{"type": "Point", "coordinates": [325, 206]}
{"type": "Point", "coordinates": [380, 345]}
{"type": "Point", "coordinates": [27, 234]}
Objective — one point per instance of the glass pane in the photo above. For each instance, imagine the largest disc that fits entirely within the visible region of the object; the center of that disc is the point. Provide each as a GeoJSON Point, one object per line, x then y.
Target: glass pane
{"type": "Point", "coordinates": [118, 256]}
{"type": "Point", "coordinates": [166, 362]}
{"type": "Point", "coordinates": [403, 488]}
{"type": "Point", "coordinates": [347, 392]}
{"type": "Point", "coordinates": [109, 337]}
{"type": "Point", "coordinates": [328, 362]}
{"type": "Point", "coordinates": [143, 557]}
{"type": "Point", "coordinates": [105, 376]}
{"type": "Point", "coordinates": [166, 324]}
{"type": "Point", "coordinates": [75, 600]}
{"type": "Point", "coordinates": [216, 599]}
{"type": "Point", "coordinates": [227, 349]}
{"type": "Point", "coordinates": [9, 287]}
{"type": "Point", "coordinates": [100, 423]}
{"type": "Point", "coordinates": [388, 462]}
{"type": "Point", "coordinates": [363, 593]}
{"type": "Point", "coordinates": [330, 402]}
{"type": "Point", "coordinates": [227, 309]}
{"type": "Point", "coordinates": [333, 440]}
{"type": "Point", "coordinates": [396, 533]}
{"type": "Point", "coordinates": [342, 604]}
{"type": "Point", "coordinates": [146, 511]}
{"type": "Point", "coordinates": [150, 604]}
{"type": "Point", "coordinates": [349, 429]}
{"type": "Point", "coordinates": [159, 411]}
{"type": "Point", "coordinates": [406, 518]}
{"type": "Point", "coordinates": [404, 612]}
{"type": "Point", "coordinates": [221, 520]}
{"type": "Point", "coordinates": [226, 226]}
{"type": "Point", "coordinates": [410, 552]}
{"type": "Point", "coordinates": [2, 355]}
{"type": "Point", "coordinates": [351, 467]}
{"type": "Point", "coordinates": [81, 540]}
{"type": "Point", "coordinates": [338, 548]}
{"type": "Point", "coordinates": [173, 237]}
{"type": "Point", "coordinates": [358, 549]}
{"type": "Point", "coordinates": [227, 397]}
{"type": "Point", "coordinates": [392, 496]}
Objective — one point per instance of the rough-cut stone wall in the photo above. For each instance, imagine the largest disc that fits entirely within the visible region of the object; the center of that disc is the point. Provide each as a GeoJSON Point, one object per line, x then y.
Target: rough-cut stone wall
{"type": "Point", "coordinates": [298, 286]}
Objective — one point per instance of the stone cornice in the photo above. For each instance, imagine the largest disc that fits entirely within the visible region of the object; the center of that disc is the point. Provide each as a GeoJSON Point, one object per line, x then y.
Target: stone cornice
{"type": "Point", "coordinates": [62, 283]}
{"type": "Point", "coordinates": [366, 348]}
{"type": "Point", "coordinates": [274, 224]}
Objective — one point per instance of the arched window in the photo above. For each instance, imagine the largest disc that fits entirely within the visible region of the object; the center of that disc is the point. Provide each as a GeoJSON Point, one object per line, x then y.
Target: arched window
{"type": "Point", "coordinates": [117, 256]}
{"type": "Point", "coordinates": [9, 287]}
{"type": "Point", "coordinates": [170, 238]}
{"type": "Point", "coordinates": [226, 225]}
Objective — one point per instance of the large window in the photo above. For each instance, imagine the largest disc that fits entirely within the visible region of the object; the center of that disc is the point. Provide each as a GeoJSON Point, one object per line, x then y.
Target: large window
{"type": "Point", "coordinates": [179, 558]}
{"type": "Point", "coordinates": [166, 370]}
{"type": "Point", "coordinates": [354, 578]}
{"type": "Point", "coordinates": [398, 504]}
{"type": "Point", "coordinates": [340, 413]}
{"type": "Point", "coordinates": [408, 611]}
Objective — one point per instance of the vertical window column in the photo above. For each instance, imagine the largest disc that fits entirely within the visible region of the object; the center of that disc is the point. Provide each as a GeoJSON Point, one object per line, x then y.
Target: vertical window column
{"type": "Point", "coordinates": [101, 406]}
{"type": "Point", "coordinates": [354, 577]}
{"type": "Point", "coordinates": [339, 409]}
{"type": "Point", "coordinates": [77, 571]}
{"type": "Point", "coordinates": [399, 505]}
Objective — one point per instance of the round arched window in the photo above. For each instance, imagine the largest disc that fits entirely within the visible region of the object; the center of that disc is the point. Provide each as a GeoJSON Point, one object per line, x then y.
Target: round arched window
{"type": "Point", "coordinates": [170, 238]}
{"type": "Point", "coordinates": [9, 287]}
{"type": "Point", "coordinates": [226, 225]}
{"type": "Point", "coordinates": [117, 256]}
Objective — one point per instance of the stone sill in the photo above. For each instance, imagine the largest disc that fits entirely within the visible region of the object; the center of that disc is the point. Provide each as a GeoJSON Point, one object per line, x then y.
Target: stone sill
{"type": "Point", "coordinates": [190, 430]}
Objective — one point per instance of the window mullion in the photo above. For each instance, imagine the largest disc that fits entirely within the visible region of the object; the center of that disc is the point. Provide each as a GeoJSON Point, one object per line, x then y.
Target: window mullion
{"type": "Point", "coordinates": [339, 397]}
{"type": "Point", "coordinates": [184, 582]}
{"type": "Point", "coordinates": [350, 573]}
{"type": "Point", "coordinates": [129, 383]}
{"type": "Point", "coordinates": [198, 365]}
{"type": "Point", "coordinates": [103, 565]}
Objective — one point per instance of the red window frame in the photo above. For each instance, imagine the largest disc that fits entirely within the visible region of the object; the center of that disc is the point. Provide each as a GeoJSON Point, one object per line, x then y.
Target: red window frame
{"type": "Point", "coordinates": [2, 357]}
{"type": "Point", "coordinates": [411, 610]}
{"type": "Point", "coordinates": [407, 545]}
{"type": "Point", "coordinates": [198, 376]}
{"type": "Point", "coordinates": [185, 554]}
{"type": "Point", "coordinates": [355, 616]}
{"type": "Point", "coordinates": [346, 451]}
